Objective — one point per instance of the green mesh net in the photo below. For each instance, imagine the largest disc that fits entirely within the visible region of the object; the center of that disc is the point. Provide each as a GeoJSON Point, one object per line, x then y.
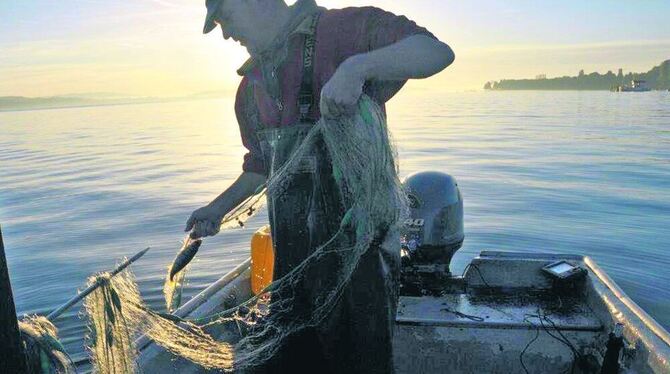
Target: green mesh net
{"type": "Point", "coordinates": [365, 170]}
{"type": "Point", "coordinates": [44, 352]}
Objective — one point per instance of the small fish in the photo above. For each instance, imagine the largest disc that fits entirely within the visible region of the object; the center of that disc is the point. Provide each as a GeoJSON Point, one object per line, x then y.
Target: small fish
{"type": "Point", "coordinates": [173, 291]}
{"type": "Point", "coordinates": [184, 256]}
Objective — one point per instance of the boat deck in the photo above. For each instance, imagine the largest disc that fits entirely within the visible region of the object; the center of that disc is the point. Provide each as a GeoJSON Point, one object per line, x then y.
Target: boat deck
{"type": "Point", "coordinates": [505, 315]}
{"type": "Point", "coordinates": [513, 311]}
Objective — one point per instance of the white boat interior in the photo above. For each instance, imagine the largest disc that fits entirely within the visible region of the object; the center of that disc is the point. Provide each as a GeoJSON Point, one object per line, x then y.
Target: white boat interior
{"type": "Point", "coordinates": [507, 313]}
{"type": "Point", "coordinates": [504, 315]}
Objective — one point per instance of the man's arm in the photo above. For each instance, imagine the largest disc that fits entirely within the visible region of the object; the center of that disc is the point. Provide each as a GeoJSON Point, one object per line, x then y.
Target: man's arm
{"type": "Point", "coordinates": [415, 57]}
{"type": "Point", "coordinates": [206, 220]}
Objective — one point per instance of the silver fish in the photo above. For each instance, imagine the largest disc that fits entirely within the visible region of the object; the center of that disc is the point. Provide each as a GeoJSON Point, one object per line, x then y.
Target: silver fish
{"type": "Point", "coordinates": [185, 256]}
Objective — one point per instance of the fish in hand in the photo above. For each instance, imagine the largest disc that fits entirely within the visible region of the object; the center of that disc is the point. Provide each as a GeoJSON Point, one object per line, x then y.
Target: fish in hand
{"type": "Point", "coordinates": [185, 256]}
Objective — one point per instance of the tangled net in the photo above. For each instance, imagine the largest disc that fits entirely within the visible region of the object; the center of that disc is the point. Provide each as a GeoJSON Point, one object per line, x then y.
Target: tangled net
{"type": "Point", "coordinates": [365, 171]}
{"type": "Point", "coordinates": [45, 354]}
{"type": "Point", "coordinates": [118, 316]}
{"type": "Point", "coordinates": [174, 285]}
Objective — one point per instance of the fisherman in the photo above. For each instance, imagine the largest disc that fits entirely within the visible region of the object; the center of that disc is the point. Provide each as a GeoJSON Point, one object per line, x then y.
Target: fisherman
{"type": "Point", "coordinates": [307, 62]}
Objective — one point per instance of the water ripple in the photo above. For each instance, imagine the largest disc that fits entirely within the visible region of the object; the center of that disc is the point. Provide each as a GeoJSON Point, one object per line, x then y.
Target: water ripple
{"type": "Point", "coordinates": [566, 172]}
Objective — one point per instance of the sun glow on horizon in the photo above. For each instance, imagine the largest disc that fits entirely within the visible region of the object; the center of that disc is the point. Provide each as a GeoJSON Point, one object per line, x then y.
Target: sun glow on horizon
{"type": "Point", "coordinates": [156, 48]}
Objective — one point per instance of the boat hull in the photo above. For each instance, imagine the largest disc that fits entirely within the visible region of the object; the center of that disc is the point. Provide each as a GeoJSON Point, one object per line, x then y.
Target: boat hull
{"type": "Point", "coordinates": [502, 316]}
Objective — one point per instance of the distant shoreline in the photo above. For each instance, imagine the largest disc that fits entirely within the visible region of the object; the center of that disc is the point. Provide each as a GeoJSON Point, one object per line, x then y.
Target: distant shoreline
{"type": "Point", "coordinates": [658, 79]}
{"type": "Point", "coordinates": [559, 90]}
{"type": "Point", "coordinates": [40, 108]}
{"type": "Point", "coordinates": [24, 104]}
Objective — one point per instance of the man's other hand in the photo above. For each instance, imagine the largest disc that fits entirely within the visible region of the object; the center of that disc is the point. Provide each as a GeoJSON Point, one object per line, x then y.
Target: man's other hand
{"type": "Point", "coordinates": [340, 94]}
{"type": "Point", "coordinates": [203, 222]}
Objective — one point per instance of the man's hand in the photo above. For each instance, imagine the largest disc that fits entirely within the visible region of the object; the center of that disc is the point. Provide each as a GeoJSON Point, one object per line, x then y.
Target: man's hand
{"type": "Point", "coordinates": [206, 221]}
{"type": "Point", "coordinates": [203, 222]}
{"type": "Point", "coordinates": [341, 93]}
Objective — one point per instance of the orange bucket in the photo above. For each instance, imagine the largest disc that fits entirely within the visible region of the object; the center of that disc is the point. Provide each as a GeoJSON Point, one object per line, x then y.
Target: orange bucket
{"type": "Point", "coordinates": [262, 259]}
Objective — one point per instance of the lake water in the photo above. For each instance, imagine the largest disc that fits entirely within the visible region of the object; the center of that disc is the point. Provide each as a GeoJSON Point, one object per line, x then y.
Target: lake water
{"type": "Point", "coordinates": [566, 172]}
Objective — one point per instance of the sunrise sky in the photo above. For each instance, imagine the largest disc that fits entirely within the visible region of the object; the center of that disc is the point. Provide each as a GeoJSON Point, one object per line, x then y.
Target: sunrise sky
{"type": "Point", "coordinates": [156, 47]}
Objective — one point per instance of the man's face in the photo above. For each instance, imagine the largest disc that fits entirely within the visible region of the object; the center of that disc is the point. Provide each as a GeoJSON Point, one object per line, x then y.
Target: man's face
{"type": "Point", "coordinates": [243, 20]}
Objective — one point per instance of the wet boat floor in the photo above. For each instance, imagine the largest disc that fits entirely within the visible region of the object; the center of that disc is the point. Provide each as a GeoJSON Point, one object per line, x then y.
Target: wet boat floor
{"type": "Point", "coordinates": [514, 310]}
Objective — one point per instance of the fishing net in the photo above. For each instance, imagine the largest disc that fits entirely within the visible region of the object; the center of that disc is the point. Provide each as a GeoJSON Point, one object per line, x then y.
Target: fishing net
{"type": "Point", "coordinates": [365, 171]}
{"type": "Point", "coordinates": [44, 352]}
{"type": "Point", "coordinates": [111, 325]}
{"type": "Point", "coordinates": [118, 316]}
{"type": "Point", "coordinates": [176, 276]}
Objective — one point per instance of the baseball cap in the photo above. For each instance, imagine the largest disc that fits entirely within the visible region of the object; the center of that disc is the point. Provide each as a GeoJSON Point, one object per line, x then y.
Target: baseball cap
{"type": "Point", "coordinates": [212, 9]}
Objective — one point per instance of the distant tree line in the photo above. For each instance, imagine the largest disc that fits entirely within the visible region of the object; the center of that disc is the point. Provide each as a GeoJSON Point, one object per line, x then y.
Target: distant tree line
{"type": "Point", "coordinates": [657, 78]}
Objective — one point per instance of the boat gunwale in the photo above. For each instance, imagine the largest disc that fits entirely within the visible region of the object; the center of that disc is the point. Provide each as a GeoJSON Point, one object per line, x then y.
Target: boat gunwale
{"type": "Point", "coordinates": [199, 299]}
{"type": "Point", "coordinates": [601, 275]}
{"type": "Point", "coordinates": [643, 316]}
{"type": "Point", "coordinates": [658, 330]}
{"type": "Point", "coordinates": [619, 306]}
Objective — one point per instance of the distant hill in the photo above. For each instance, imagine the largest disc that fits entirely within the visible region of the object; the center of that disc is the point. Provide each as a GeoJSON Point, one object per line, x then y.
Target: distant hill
{"type": "Point", "coordinates": [26, 103]}
{"type": "Point", "coordinates": [657, 78]}
{"type": "Point", "coordinates": [16, 103]}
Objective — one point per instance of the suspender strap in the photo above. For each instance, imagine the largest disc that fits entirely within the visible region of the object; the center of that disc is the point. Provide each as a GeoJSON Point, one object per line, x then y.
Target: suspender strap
{"type": "Point", "coordinates": [306, 94]}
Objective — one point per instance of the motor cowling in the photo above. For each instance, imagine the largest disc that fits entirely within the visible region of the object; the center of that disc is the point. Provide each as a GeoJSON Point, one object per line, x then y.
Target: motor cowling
{"type": "Point", "coordinates": [434, 230]}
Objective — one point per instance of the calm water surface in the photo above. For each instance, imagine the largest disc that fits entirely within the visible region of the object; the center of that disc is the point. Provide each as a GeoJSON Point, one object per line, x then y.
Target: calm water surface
{"type": "Point", "coordinates": [567, 172]}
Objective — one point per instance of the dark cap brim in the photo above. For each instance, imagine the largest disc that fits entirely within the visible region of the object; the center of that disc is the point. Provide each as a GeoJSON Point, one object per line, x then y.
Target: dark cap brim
{"type": "Point", "coordinates": [209, 26]}
{"type": "Point", "coordinates": [212, 8]}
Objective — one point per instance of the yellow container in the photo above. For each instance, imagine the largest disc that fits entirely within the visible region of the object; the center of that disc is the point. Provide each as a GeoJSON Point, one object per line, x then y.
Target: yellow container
{"type": "Point", "coordinates": [262, 259]}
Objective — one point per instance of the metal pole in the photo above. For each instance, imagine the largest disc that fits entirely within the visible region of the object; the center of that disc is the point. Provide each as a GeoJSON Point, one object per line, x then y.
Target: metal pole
{"type": "Point", "coordinates": [57, 313]}
{"type": "Point", "coordinates": [13, 359]}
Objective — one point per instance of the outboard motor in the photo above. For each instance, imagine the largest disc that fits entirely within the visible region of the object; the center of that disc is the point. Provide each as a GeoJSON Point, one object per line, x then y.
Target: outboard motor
{"type": "Point", "coordinates": [432, 233]}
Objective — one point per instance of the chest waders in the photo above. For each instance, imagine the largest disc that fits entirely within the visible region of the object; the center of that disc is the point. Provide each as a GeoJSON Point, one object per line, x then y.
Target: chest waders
{"type": "Point", "coordinates": [305, 213]}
